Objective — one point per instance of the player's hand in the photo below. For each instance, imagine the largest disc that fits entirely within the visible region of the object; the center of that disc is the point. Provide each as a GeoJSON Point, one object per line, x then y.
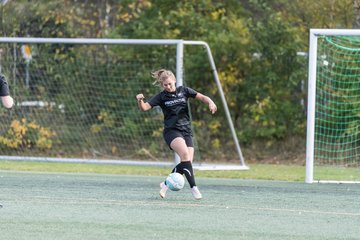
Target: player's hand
{"type": "Point", "coordinates": [212, 107]}
{"type": "Point", "coordinates": [7, 101]}
{"type": "Point", "coordinates": [140, 97]}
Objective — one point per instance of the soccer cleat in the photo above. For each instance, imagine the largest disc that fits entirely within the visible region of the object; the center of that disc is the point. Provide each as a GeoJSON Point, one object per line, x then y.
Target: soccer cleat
{"type": "Point", "coordinates": [163, 189]}
{"type": "Point", "coordinates": [196, 193]}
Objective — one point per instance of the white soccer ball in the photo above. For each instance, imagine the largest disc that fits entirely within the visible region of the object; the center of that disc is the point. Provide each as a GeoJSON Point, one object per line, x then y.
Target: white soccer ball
{"type": "Point", "coordinates": [175, 181]}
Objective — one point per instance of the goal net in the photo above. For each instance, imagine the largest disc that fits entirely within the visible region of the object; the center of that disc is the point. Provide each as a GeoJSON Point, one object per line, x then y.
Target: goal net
{"type": "Point", "coordinates": [333, 143]}
{"type": "Point", "coordinates": [76, 100]}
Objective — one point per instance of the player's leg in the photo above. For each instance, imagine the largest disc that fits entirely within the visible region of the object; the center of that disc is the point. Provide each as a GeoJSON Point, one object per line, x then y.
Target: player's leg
{"type": "Point", "coordinates": [169, 136]}
{"type": "Point", "coordinates": [184, 148]}
{"type": "Point", "coordinates": [178, 144]}
{"type": "Point", "coordinates": [185, 166]}
{"type": "Point", "coordinates": [191, 153]}
{"type": "Point", "coordinates": [163, 189]}
{"type": "Point", "coordinates": [195, 191]}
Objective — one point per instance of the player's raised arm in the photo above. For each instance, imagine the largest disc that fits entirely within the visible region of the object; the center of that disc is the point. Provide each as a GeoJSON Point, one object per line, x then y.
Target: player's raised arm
{"type": "Point", "coordinates": [208, 101]}
{"type": "Point", "coordinates": [144, 106]}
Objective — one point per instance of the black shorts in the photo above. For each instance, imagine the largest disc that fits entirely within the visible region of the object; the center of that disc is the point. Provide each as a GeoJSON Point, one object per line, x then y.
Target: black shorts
{"type": "Point", "coordinates": [171, 134]}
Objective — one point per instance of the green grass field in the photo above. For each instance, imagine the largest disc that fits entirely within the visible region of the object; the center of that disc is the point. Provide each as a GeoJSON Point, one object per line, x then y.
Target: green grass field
{"type": "Point", "coordinates": [87, 201]}
{"type": "Point", "coordinates": [257, 171]}
{"type": "Point", "coordinates": [39, 205]}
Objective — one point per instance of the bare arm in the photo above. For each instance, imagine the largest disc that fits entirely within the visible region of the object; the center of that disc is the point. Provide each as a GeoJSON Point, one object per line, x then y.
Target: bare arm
{"type": "Point", "coordinates": [208, 101]}
{"type": "Point", "coordinates": [6, 99]}
{"type": "Point", "coordinates": [144, 106]}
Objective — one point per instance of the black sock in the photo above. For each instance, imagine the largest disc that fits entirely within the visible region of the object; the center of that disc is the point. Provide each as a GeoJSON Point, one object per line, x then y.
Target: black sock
{"type": "Point", "coordinates": [187, 170]}
{"type": "Point", "coordinates": [178, 169]}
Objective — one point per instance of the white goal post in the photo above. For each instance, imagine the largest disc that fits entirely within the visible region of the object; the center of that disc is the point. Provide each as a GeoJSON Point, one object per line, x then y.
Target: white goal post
{"type": "Point", "coordinates": [333, 120]}
{"type": "Point", "coordinates": [179, 44]}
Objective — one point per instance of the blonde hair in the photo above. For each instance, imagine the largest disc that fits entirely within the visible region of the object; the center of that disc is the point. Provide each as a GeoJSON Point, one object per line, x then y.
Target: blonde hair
{"type": "Point", "coordinates": [161, 75]}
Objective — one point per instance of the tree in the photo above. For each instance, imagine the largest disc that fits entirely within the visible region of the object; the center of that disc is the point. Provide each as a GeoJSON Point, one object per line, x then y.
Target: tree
{"type": "Point", "coordinates": [254, 43]}
{"type": "Point", "coordinates": [356, 21]}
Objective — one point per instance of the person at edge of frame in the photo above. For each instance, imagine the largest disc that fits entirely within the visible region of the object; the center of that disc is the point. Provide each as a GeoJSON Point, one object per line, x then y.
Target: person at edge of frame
{"type": "Point", "coordinates": [7, 100]}
{"type": "Point", "coordinates": [177, 126]}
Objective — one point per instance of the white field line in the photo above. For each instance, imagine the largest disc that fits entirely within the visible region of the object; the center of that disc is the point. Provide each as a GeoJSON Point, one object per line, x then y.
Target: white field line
{"type": "Point", "coordinates": [94, 201]}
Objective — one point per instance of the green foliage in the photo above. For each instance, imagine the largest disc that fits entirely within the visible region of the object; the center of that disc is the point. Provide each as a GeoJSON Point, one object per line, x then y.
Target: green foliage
{"type": "Point", "coordinates": [254, 43]}
{"type": "Point", "coordinates": [269, 98]}
{"type": "Point", "coordinates": [27, 135]}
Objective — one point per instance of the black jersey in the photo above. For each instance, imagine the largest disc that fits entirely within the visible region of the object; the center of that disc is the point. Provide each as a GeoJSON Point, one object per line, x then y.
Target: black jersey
{"type": "Point", "coordinates": [4, 88]}
{"type": "Point", "coordinates": [174, 107]}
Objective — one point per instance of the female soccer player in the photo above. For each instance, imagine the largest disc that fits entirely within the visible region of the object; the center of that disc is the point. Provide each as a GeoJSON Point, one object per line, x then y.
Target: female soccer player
{"type": "Point", "coordinates": [177, 127]}
{"type": "Point", "coordinates": [6, 99]}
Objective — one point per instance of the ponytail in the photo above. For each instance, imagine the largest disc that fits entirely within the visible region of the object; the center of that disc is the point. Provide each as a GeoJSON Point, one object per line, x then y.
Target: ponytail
{"type": "Point", "coordinates": [161, 75]}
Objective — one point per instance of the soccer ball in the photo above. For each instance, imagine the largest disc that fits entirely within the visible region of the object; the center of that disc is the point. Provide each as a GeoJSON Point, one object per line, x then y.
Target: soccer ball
{"type": "Point", "coordinates": [175, 181]}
